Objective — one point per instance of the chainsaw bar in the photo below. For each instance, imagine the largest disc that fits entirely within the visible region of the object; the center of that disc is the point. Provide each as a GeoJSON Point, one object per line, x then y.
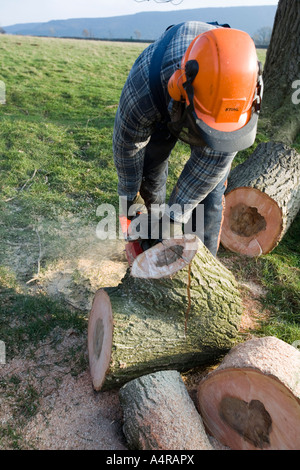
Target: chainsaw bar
{"type": "Point", "coordinates": [132, 250]}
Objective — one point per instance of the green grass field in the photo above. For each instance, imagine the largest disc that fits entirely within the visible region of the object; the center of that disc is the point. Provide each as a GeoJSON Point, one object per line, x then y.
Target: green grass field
{"type": "Point", "coordinates": [56, 167]}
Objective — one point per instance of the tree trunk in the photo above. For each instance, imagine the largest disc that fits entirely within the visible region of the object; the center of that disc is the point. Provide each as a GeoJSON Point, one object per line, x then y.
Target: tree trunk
{"type": "Point", "coordinates": [159, 414]}
{"type": "Point", "coordinates": [252, 401]}
{"type": "Point", "coordinates": [145, 325]}
{"type": "Point", "coordinates": [262, 200]}
{"type": "Point", "coordinates": [281, 70]}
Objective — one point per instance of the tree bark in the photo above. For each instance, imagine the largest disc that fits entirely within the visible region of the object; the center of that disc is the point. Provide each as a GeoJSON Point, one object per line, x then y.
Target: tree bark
{"type": "Point", "coordinates": [262, 200]}
{"type": "Point", "coordinates": [252, 401]}
{"type": "Point", "coordinates": [281, 70]}
{"type": "Point", "coordinates": [159, 414]}
{"type": "Point", "coordinates": [146, 325]}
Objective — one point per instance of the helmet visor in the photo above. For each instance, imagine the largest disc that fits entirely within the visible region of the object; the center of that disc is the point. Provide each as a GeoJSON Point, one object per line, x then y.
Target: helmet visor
{"type": "Point", "coordinates": [195, 132]}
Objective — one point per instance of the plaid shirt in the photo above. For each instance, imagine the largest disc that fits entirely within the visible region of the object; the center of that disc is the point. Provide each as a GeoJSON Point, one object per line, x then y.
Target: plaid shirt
{"type": "Point", "coordinates": [136, 120]}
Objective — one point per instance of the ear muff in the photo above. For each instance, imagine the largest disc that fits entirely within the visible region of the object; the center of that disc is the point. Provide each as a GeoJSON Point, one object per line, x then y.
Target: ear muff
{"type": "Point", "coordinates": [191, 70]}
{"type": "Point", "coordinates": [175, 88]}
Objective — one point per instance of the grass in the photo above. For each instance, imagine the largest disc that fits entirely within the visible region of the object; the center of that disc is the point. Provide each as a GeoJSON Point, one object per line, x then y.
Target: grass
{"type": "Point", "coordinates": [56, 167]}
{"type": "Point", "coordinates": [62, 98]}
{"type": "Point", "coordinates": [37, 316]}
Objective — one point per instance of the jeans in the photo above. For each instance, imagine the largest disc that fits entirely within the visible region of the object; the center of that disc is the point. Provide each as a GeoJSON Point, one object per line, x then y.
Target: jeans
{"type": "Point", "coordinates": [214, 205]}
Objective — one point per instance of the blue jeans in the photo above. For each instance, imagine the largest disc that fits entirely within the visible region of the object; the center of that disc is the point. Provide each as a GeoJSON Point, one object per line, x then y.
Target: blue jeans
{"type": "Point", "coordinates": [214, 205]}
{"type": "Point", "coordinates": [153, 188]}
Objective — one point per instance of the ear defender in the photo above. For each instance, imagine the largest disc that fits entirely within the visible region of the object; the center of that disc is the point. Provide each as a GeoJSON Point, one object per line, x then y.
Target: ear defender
{"type": "Point", "coordinates": [175, 88]}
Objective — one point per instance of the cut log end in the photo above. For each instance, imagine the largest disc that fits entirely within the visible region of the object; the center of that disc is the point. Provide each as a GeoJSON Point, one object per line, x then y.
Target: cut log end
{"type": "Point", "coordinates": [262, 199]}
{"type": "Point", "coordinates": [251, 401]}
{"type": "Point", "coordinates": [250, 420]}
{"type": "Point", "coordinates": [166, 258]}
{"type": "Point", "coordinates": [100, 331]}
{"type": "Point", "coordinates": [246, 410]}
{"type": "Point", "coordinates": [252, 222]}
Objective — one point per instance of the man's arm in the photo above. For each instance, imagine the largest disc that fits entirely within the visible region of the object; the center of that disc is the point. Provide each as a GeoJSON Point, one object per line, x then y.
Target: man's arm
{"type": "Point", "coordinates": [134, 124]}
{"type": "Point", "coordinates": [200, 175]}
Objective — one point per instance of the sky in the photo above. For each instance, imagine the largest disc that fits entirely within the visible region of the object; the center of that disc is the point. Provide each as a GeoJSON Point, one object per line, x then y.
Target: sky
{"type": "Point", "coordinates": [30, 11]}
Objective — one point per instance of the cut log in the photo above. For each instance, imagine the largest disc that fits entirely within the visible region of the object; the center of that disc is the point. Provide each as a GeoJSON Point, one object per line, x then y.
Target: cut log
{"type": "Point", "coordinates": [252, 401]}
{"type": "Point", "coordinates": [159, 414]}
{"type": "Point", "coordinates": [165, 258]}
{"type": "Point", "coordinates": [145, 325]}
{"type": "Point", "coordinates": [262, 200]}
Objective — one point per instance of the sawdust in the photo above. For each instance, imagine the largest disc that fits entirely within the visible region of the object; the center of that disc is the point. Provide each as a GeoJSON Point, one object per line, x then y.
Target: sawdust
{"type": "Point", "coordinates": [78, 419]}
{"type": "Point", "coordinates": [70, 415]}
{"type": "Point", "coordinates": [43, 398]}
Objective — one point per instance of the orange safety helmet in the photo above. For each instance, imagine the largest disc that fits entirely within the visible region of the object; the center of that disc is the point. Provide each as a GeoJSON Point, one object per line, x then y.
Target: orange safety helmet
{"type": "Point", "coordinates": [220, 82]}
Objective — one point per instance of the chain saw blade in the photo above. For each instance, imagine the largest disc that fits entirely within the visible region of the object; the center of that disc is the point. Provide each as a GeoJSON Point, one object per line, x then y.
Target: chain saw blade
{"type": "Point", "coordinates": [132, 250]}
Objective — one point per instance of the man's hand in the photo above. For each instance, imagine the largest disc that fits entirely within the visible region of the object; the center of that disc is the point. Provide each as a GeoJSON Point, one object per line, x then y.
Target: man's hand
{"type": "Point", "coordinates": [132, 208]}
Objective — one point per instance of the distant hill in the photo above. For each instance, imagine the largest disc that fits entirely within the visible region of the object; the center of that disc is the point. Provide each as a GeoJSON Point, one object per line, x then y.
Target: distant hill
{"type": "Point", "coordinates": [150, 25]}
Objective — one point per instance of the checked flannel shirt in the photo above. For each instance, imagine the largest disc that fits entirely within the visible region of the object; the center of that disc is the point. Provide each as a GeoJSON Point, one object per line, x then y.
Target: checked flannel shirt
{"type": "Point", "coordinates": [136, 120]}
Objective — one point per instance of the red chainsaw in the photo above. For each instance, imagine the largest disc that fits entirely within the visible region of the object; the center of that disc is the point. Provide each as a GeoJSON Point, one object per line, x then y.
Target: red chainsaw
{"type": "Point", "coordinates": [132, 248]}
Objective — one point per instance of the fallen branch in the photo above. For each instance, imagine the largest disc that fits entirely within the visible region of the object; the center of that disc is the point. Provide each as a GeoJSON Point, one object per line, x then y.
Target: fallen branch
{"type": "Point", "coordinates": [39, 259]}
{"type": "Point", "coordinates": [23, 187]}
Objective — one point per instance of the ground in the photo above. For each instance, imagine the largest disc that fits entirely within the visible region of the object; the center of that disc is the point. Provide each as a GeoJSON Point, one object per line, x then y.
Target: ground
{"type": "Point", "coordinates": [49, 387]}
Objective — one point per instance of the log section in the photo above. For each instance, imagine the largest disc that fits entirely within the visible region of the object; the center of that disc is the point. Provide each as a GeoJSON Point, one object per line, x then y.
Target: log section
{"type": "Point", "coordinates": [262, 200]}
{"type": "Point", "coordinates": [165, 258]}
{"type": "Point", "coordinates": [159, 414]}
{"type": "Point", "coordinates": [145, 325]}
{"type": "Point", "coordinates": [252, 401]}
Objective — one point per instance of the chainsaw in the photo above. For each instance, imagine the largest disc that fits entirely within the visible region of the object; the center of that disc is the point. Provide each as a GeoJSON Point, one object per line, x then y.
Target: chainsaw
{"type": "Point", "coordinates": [133, 248]}
{"type": "Point", "coordinates": [157, 258]}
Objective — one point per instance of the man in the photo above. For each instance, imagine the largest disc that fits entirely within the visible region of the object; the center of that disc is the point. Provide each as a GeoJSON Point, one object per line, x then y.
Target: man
{"type": "Point", "coordinates": [201, 83]}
